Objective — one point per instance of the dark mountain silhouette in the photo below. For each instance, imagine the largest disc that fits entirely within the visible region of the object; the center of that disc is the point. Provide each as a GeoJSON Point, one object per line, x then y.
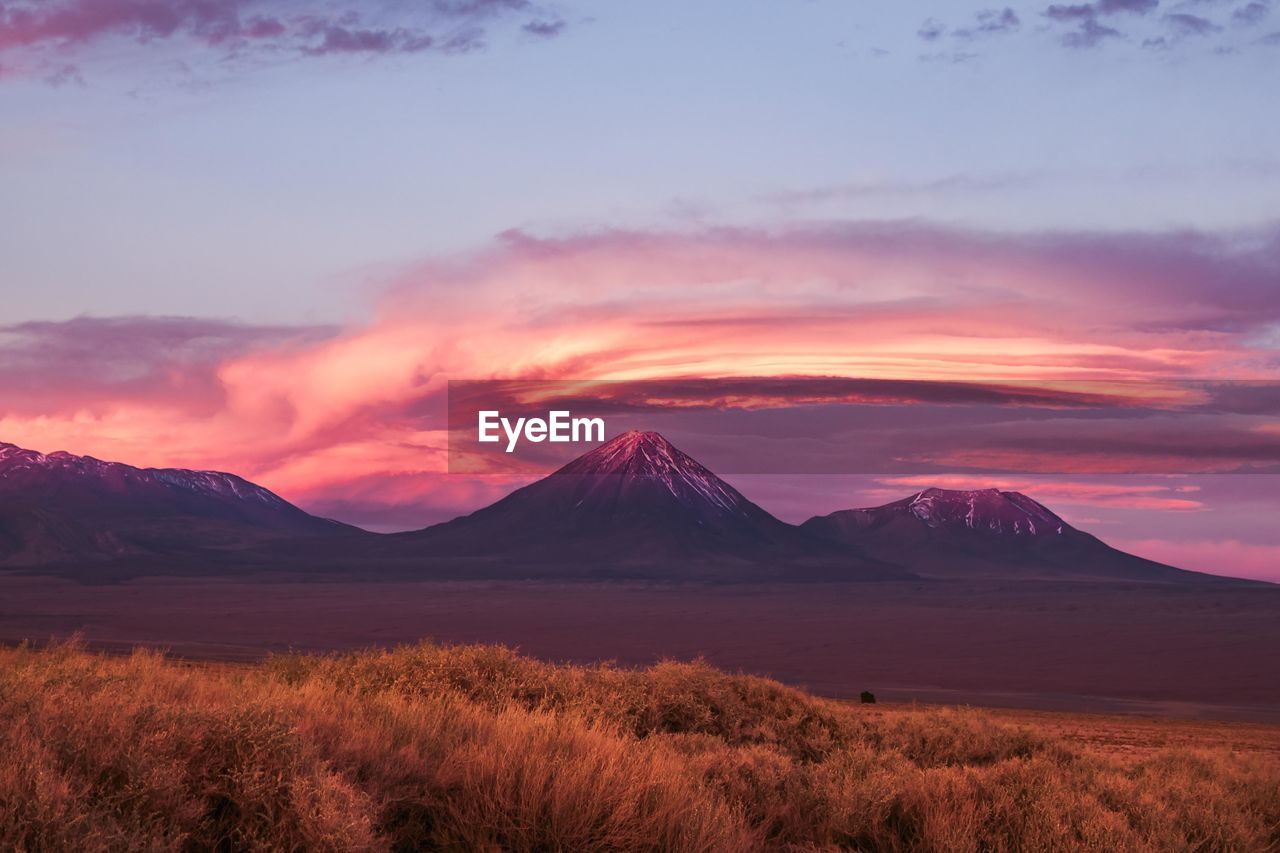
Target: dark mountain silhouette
{"type": "Point", "coordinates": [635, 501]}
{"type": "Point", "coordinates": [635, 507]}
{"type": "Point", "coordinates": [62, 508]}
{"type": "Point", "coordinates": [986, 533]}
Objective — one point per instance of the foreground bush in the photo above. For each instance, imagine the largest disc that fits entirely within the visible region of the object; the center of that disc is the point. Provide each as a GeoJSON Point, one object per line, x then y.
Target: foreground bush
{"type": "Point", "coordinates": [476, 748]}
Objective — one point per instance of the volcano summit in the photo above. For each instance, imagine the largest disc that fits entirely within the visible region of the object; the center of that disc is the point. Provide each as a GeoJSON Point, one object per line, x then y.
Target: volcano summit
{"type": "Point", "coordinates": [638, 501]}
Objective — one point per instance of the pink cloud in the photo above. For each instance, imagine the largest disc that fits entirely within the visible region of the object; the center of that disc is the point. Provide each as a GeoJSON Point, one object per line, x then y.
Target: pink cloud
{"type": "Point", "coordinates": [95, 362]}
{"type": "Point", "coordinates": [312, 412]}
{"type": "Point", "coordinates": [266, 28]}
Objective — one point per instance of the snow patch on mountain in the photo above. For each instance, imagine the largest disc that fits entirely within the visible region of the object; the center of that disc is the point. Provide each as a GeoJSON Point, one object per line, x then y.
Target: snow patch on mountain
{"type": "Point", "coordinates": [649, 456]}
{"type": "Point", "coordinates": [14, 459]}
{"type": "Point", "coordinates": [984, 510]}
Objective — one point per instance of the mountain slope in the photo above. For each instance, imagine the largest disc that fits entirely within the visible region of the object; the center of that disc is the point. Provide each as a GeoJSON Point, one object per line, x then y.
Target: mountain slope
{"type": "Point", "coordinates": [638, 500]}
{"type": "Point", "coordinates": [62, 508]}
{"type": "Point", "coordinates": [635, 507]}
{"type": "Point", "coordinates": [986, 533]}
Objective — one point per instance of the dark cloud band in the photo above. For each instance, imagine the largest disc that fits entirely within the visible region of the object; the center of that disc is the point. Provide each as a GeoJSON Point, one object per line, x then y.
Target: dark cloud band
{"type": "Point", "coordinates": [238, 28]}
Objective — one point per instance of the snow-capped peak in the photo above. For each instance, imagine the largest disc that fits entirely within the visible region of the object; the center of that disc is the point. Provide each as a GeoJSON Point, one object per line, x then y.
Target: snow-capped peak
{"type": "Point", "coordinates": [19, 463]}
{"type": "Point", "coordinates": [645, 455]}
{"type": "Point", "coordinates": [985, 510]}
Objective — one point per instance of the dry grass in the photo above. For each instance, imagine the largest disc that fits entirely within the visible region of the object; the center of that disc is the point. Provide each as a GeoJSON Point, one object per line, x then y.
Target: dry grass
{"type": "Point", "coordinates": [476, 748]}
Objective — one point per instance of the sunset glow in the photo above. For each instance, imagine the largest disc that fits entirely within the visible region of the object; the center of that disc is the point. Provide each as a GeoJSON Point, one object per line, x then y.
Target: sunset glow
{"type": "Point", "coordinates": [316, 361]}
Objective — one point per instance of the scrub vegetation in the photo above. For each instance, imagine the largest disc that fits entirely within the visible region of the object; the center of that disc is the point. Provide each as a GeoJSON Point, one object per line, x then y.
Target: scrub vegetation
{"type": "Point", "coordinates": [478, 748]}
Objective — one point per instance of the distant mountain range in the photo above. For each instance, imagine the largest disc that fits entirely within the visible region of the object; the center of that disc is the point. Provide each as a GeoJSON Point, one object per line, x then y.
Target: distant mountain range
{"type": "Point", "coordinates": [65, 509]}
{"type": "Point", "coordinates": [634, 507]}
{"type": "Point", "coordinates": [638, 505]}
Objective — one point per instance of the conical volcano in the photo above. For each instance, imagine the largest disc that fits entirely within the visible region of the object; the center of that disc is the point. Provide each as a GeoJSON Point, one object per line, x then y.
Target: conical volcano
{"type": "Point", "coordinates": [642, 476]}
{"type": "Point", "coordinates": [636, 500]}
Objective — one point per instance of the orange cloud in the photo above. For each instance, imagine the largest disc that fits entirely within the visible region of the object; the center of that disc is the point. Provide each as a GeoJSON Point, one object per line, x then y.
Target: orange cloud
{"type": "Point", "coordinates": [307, 416]}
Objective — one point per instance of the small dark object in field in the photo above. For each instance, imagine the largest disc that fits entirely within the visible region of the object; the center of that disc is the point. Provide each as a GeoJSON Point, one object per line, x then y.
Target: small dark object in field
{"type": "Point", "coordinates": [868, 698]}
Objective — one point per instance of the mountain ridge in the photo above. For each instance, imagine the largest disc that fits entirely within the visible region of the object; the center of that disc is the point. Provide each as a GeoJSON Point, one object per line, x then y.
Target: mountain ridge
{"type": "Point", "coordinates": [988, 510]}
{"type": "Point", "coordinates": [635, 506]}
{"type": "Point", "coordinates": [60, 507]}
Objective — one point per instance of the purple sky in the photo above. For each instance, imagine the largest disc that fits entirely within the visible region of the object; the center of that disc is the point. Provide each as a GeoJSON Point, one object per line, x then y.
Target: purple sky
{"type": "Point", "coordinates": [262, 236]}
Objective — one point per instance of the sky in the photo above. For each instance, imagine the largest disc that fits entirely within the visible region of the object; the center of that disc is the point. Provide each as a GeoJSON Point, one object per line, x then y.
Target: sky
{"type": "Point", "coordinates": [263, 235]}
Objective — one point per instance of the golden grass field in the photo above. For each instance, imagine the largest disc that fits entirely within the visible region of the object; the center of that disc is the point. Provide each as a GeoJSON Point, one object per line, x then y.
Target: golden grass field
{"type": "Point", "coordinates": [478, 748]}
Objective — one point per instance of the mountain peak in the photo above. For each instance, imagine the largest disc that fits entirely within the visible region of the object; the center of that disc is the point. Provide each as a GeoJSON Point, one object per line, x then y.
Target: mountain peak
{"type": "Point", "coordinates": [637, 503]}
{"type": "Point", "coordinates": [69, 504]}
{"type": "Point", "coordinates": [10, 452]}
{"type": "Point", "coordinates": [636, 441]}
{"type": "Point", "coordinates": [30, 473]}
{"type": "Point", "coordinates": [947, 493]}
{"type": "Point", "coordinates": [18, 464]}
{"type": "Point", "coordinates": [988, 511]}
{"type": "Point", "coordinates": [647, 456]}
{"type": "Point", "coordinates": [973, 533]}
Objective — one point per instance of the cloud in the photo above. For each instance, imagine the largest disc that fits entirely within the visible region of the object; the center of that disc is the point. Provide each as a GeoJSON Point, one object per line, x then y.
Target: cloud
{"type": "Point", "coordinates": [1089, 11]}
{"type": "Point", "coordinates": [1137, 7]}
{"type": "Point", "coordinates": [991, 22]}
{"type": "Point", "coordinates": [393, 501]}
{"type": "Point", "coordinates": [89, 363]}
{"type": "Point", "coordinates": [1251, 15]}
{"type": "Point", "coordinates": [335, 39]}
{"type": "Point", "coordinates": [261, 29]}
{"type": "Point", "coordinates": [1090, 34]}
{"type": "Point", "coordinates": [765, 392]}
{"type": "Point", "coordinates": [1071, 13]}
{"type": "Point", "coordinates": [828, 425]}
{"type": "Point", "coordinates": [545, 29]}
{"type": "Point", "coordinates": [1000, 21]}
{"type": "Point", "coordinates": [1190, 25]}
{"type": "Point", "coordinates": [987, 22]}
{"type": "Point", "coordinates": [950, 57]}
{"type": "Point", "coordinates": [1090, 31]}
{"type": "Point", "coordinates": [931, 30]}
{"type": "Point", "coordinates": [306, 411]}
{"type": "Point", "coordinates": [1114, 445]}
{"type": "Point", "coordinates": [64, 75]}
{"type": "Point", "coordinates": [1088, 25]}
{"type": "Point", "coordinates": [1083, 11]}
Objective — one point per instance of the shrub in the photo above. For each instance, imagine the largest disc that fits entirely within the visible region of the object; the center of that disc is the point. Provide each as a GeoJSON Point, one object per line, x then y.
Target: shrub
{"type": "Point", "coordinates": [477, 748]}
